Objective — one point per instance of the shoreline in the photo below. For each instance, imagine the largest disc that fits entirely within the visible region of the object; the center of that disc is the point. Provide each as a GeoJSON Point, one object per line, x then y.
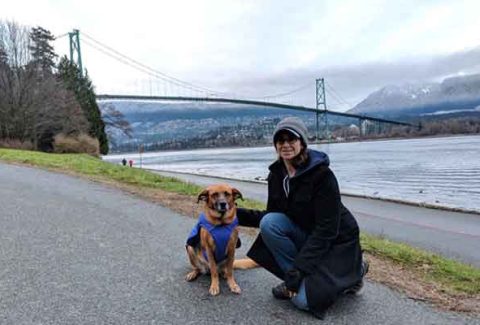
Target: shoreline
{"type": "Point", "coordinates": [393, 200]}
{"type": "Point", "coordinates": [310, 143]}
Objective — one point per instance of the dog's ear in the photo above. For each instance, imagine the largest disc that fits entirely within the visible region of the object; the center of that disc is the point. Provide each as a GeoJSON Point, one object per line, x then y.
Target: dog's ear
{"type": "Point", "coordinates": [236, 194]}
{"type": "Point", "coordinates": [203, 196]}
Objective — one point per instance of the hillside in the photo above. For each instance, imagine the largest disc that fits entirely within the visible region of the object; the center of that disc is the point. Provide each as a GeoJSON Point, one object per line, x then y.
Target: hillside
{"type": "Point", "coordinates": [452, 95]}
{"type": "Point", "coordinates": [174, 125]}
{"type": "Point", "coordinates": [191, 125]}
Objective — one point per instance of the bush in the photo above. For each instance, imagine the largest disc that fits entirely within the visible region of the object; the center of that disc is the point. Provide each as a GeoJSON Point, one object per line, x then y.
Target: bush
{"type": "Point", "coordinates": [16, 144]}
{"type": "Point", "coordinates": [81, 143]}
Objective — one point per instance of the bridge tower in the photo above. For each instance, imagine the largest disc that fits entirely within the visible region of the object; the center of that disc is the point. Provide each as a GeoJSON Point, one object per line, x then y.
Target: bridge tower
{"type": "Point", "coordinates": [74, 37]}
{"type": "Point", "coordinates": [321, 102]}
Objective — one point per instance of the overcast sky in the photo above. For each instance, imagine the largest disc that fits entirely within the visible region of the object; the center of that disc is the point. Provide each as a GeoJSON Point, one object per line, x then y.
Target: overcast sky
{"type": "Point", "coordinates": [260, 48]}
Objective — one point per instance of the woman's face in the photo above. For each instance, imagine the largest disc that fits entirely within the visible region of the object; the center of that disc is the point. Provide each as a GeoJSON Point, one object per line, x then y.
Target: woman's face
{"type": "Point", "coordinates": [287, 145]}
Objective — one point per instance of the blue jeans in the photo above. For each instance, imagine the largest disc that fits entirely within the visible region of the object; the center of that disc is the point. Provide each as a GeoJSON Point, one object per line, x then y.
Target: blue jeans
{"type": "Point", "coordinates": [284, 239]}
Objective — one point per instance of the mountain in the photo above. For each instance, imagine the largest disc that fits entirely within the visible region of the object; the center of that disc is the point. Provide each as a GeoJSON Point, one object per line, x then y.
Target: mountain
{"type": "Point", "coordinates": [178, 125]}
{"type": "Point", "coordinates": [452, 95]}
{"type": "Point", "coordinates": [187, 125]}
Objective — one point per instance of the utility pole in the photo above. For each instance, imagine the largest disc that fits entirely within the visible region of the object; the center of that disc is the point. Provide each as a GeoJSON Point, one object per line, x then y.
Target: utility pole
{"type": "Point", "coordinates": [74, 37]}
{"type": "Point", "coordinates": [320, 83]}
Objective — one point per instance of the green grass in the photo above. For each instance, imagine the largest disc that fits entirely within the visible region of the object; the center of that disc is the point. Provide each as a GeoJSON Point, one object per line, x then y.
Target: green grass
{"type": "Point", "coordinates": [454, 277]}
{"type": "Point", "coordinates": [97, 169]}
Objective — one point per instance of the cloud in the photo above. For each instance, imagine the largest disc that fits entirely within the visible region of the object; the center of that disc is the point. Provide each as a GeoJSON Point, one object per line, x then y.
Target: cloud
{"type": "Point", "coordinates": [258, 48]}
{"type": "Point", "coordinates": [349, 84]}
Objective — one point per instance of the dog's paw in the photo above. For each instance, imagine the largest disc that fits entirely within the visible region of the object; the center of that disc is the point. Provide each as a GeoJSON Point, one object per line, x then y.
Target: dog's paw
{"type": "Point", "coordinates": [192, 275]}
{"type": "Point", "coordinates": [214, 290]}
{"type": "Point", "coordinates": [235, 288]}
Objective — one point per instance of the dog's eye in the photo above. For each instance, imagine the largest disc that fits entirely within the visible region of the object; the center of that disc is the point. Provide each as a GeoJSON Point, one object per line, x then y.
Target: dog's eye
{"type": "Point", "coordinates": [227, 194]}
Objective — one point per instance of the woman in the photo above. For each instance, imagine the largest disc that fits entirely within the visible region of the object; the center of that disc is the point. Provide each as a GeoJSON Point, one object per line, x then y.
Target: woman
{"type": "Point", "coordinates": [307, 237]}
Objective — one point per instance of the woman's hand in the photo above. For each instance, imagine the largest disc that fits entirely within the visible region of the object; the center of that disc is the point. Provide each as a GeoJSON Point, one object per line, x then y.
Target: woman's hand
{"type": "Point", "coordinates": [293, 279]}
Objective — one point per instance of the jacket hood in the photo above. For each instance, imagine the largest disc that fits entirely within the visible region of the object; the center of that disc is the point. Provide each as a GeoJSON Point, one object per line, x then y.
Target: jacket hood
{"type": "Point", "coordinates": [315, 158]}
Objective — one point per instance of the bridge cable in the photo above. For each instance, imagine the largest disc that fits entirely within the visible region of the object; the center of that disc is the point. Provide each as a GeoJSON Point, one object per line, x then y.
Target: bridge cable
{"type": "Point", "coordinates": [164, 75]}
{"type": "Point", "coordinates": [337, 95]}
{"type": "Point", "coordinates": [136, 67]}
{"type": "Point", "coordinates": [335, 98]}
{"type": "Point", "coordinates": [60, 36]}
{"type": "Point", "coordinates": [308, 85]}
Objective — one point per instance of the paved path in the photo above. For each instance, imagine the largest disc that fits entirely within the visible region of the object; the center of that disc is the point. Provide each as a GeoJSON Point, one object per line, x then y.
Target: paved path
{"type": "Point", "coordinates": [452, 234]}
{"type": "Point", "coordinates": [77, 252]}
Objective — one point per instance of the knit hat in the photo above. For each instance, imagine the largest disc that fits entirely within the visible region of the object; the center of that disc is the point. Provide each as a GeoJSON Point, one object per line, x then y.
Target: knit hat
{"type": "Point", "coordinates": [295, 126]}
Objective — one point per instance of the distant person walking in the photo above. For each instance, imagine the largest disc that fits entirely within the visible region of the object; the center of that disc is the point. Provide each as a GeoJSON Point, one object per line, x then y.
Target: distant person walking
{"type": "Point", "coordinates": [130, 163]}
{"type": "Point", "coordinates": [307, 236]}
{"type": "Point", "coordinates": [124, 162]}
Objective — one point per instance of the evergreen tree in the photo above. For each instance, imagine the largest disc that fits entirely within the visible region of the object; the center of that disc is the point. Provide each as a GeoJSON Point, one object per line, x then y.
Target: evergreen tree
{"type": "Point", "coordinates": [43, 55]}
{"type": "Point", "coordinates": [85, 95]}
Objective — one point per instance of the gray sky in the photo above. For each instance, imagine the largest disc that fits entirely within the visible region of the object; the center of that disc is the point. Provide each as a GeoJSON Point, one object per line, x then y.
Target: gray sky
{"type": "Point", "coordinates": [261, 48]}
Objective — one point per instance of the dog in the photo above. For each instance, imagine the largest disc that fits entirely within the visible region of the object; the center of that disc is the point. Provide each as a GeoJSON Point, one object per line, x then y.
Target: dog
{"type": "Point", "coordinates": [245, 264]}
{"type": "Point", "coordinates": [212, 242]}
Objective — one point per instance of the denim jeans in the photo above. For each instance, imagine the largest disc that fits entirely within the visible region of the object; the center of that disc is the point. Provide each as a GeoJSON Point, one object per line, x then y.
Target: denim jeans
{"type": "Point", "coordinates": [284, 239]}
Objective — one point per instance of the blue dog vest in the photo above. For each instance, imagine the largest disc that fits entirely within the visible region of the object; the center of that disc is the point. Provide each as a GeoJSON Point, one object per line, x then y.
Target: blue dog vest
{"type": "Point", "coordinates": [221, 235]}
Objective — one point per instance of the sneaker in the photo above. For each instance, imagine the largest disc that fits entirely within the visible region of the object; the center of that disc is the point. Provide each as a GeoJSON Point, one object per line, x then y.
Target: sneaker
{"type": "Point", "coordinates": [357, 287]}
{"type": "Point", "coordinates": [281, 292]}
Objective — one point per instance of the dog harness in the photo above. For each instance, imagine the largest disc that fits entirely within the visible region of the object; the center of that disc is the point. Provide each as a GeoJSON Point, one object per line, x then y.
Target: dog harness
{"type": "Point", "coordinates": [220, 233]}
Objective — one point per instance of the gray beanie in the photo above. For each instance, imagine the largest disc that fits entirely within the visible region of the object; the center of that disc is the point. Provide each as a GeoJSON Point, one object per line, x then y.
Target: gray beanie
{"type": "Point", "coordinates": [293, 125]}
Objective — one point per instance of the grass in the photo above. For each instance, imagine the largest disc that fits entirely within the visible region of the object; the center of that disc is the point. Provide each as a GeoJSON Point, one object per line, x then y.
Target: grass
{"type": "Point", "coordinates": [453, 276]}
{"type": "Point", "coordinates": [97, 169]}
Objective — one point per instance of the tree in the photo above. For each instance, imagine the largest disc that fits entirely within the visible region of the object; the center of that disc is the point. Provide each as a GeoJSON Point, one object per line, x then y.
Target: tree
{"type": "Point", "coordinates": [114, 119]}
{"type": "Point", "coordinates": [82, 86]}
{"type": "Point", "coordinates": [55, 111]}
{"type": "Point", "coordinates": [34, 105]}
{"type": "Point", "coordinates": [43, 55]}
{"type": "Point", "coordinates": [16, 83]}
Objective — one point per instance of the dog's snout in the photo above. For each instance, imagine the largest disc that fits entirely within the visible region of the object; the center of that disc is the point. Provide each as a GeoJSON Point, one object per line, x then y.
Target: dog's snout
{"type": "Point", "coordinates": [222, 206]}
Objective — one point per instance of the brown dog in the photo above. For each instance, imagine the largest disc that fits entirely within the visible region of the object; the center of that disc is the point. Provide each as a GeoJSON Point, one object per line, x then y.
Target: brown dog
{"type": "Point", "coordinates": [245, 264]}
{"type": "Point", "coordinates": [212, 242]}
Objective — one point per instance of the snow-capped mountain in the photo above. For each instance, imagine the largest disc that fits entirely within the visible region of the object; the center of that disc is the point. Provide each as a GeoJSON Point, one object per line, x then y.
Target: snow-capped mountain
{"type": "Point", "coordinates": [451, 95]}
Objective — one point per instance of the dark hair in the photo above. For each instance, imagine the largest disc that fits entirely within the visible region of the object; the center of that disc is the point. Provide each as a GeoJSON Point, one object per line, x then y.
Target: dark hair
{"type": "Point", "coordinates": [301, 158]}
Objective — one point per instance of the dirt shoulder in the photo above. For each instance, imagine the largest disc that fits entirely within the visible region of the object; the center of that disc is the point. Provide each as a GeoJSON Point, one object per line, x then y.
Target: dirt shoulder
{"type": "Point", "coordinates": [382, 270]}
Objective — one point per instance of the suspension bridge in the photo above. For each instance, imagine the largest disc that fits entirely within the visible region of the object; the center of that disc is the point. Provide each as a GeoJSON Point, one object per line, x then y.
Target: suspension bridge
{"type": "Point", "coordinates": [196, 93]}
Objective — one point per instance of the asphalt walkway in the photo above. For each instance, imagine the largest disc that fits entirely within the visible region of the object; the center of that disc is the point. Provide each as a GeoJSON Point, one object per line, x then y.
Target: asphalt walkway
{"type": "Point", "coordinates": [77, 252]}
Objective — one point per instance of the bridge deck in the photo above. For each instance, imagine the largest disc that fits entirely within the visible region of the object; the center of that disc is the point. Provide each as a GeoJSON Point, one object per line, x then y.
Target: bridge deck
{"type": "Point", "coordinates": [247, 102]}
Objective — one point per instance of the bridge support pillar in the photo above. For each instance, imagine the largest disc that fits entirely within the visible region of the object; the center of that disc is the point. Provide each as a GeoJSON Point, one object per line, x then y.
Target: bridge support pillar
{"type": "Point", "coordinates": [321, 108]}
{"type": "Point", "coordinates": [75, 46]}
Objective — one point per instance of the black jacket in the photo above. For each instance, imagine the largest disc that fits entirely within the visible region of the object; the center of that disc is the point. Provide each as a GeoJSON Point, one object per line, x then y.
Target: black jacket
{"type": "Point", "coordinates": [330, 260]}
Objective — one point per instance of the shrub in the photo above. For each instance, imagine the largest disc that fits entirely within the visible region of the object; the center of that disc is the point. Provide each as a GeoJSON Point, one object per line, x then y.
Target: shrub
{"type": "Point", "coordinates": [16, 144]}
{"type": "Point", "coordinates": [81, 143]}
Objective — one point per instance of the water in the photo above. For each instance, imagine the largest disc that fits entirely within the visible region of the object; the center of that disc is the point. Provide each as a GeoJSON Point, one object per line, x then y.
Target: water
{"type": "Point", "coordinates": [440, 171]}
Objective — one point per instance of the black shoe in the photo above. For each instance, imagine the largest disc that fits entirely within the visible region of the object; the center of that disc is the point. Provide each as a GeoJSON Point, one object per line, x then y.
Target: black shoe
{"type": "Point", "coordinates": [354, 289]}
{"type": "Point", "coordinates": [358, 286]}
{"type": "Point", "coordinates": [281, 292]}
{"type": "Point", "coordinates": [365, 267]}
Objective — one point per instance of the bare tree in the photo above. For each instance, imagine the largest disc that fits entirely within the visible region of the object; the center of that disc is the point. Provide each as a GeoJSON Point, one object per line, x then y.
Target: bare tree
{"type": "Point", "coordinates": [15, 79]}
{"type": "Point", "coordinates": [54, 110]}
{"type": "Point", "coordinates": [34, 105]}
{"type": "Point", "coordinates": [113, 118]}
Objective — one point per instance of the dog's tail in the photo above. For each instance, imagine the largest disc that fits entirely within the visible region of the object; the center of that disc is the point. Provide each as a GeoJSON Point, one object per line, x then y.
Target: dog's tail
{"type": "Point", "coordinates": [244, 264]}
